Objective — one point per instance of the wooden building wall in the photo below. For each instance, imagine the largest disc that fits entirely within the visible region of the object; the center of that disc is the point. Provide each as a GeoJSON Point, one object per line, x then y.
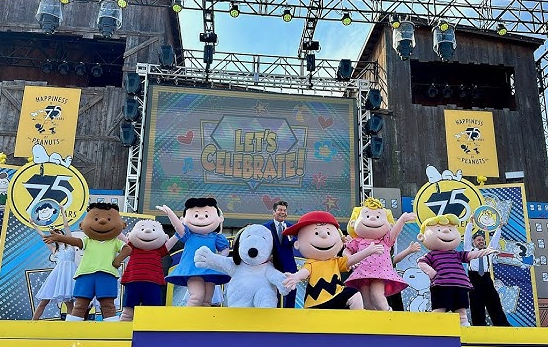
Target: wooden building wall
{"type": "Point", "coordinates": [414, 135]}
{"type": "Point", "coordinates": [98, 152]}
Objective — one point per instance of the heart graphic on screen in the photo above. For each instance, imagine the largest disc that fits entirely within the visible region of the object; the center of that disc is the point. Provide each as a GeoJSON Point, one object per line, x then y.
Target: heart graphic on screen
{"type": "Point", "coordinates": [325, 123]}
{"type": "Point", "coordinates": [186, 139]}
{"type": "Point", "coordinates": [268, 202]}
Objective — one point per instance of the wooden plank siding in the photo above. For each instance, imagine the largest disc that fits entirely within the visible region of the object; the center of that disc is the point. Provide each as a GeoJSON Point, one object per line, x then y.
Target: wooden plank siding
{"type": "Point", "coordinates": [414, 135]}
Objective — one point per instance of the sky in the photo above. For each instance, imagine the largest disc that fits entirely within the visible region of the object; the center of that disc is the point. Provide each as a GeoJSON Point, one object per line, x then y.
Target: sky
{"type": "Point", "coordinates": [272, 36]}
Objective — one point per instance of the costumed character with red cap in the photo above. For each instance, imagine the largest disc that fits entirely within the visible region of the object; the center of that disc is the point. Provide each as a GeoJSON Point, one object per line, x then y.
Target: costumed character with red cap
{"type": "Point", "coordinates": [97, 275]}
{"type": "Point", "coordinates": [449, 284]}
{"type": "Point", "coordinates": [144, 274]}
{"type": "Point", "coordinates": [319, 241]}
{"type": "Point", "coordinates": [375, 276]}
{"type": "Point", "coordinates": [199, 226]}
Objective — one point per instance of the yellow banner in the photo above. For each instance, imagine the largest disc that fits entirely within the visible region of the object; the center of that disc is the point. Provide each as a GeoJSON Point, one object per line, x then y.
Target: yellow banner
{"type": "Point", "coordinates": [471, 146]}
{"type": "Point", "coordinates": [48, 118]}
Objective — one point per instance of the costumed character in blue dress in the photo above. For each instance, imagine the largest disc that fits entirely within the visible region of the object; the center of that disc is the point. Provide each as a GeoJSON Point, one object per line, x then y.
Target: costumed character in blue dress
{"type": "Point", "coordinates": [199, 226]}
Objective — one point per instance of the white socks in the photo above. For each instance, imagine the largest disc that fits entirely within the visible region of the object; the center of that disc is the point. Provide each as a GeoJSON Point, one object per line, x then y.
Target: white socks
{"type": "Point", "coordinates": [71, 318]}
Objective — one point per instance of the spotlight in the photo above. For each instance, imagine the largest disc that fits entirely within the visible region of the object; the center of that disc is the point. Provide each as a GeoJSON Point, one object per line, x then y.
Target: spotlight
{"type": "Point", "coordinates": [128, 136]}
{"type": "Point", "coordinates": [501, 29]}
{"type": "Point", "coordinates": [47, 66]}
{"type": "Point", "coordinates": [64, 2]}
{"type": "Point", "coordinates": [463, 93]}
{"type": "Point", "coordinates": [311, 46]}
{"type": "Point", "coordinates": [374, 148]}
{"type": "Point", "coordinates": [287, 16]}
{"type": "Point", "coordinates": [80, 69]}
{"type": "Point", "coordinates": [374, 124]}
{"type": "Point", "coordinates": [63, 68]}
{"type": "Point", "coordinates": [166, 56]}
{"type": "Point", "coordinates": [234, 11]}
{"type": "Point", "coordinates": [131, 110]}
{"type": "Point", "coordinates": [403, 39]}
{"type": "Point", "coordinates": [109, 19]}
{"type": "Point", "coordinates": [310, 62]}
{"type": "Point", "coordinates": [177, 6]}
{"type": "Point", "coordinates": [346, 20]}
{"type": "Point", "coordinates": [96, 71]}
{"type": "Point", "coordinates": [445, 41]}
{"type": "Point", "coordinates": [121, 3]}
{"type": "Point", "coordinates": [208, 37]}
{"type": "Point", "coordinates": [208, 54]}
{"type": "Point", "coordinates": [443, 25]}
{"type": "Point", "coordinates": [49, 15]}
{"type": "Point", "coordinates": [432, 91]}
{"type": "Point", "coordinates": [447, 92]}
{"type": "Point", "coordinates": [373, 99]}
{"type": "Point", "coordinates": [344, 71]}
{"type": "Point", "coordinates": [395, 21]}
{"type": "Point", "coordinates": [476, 94]}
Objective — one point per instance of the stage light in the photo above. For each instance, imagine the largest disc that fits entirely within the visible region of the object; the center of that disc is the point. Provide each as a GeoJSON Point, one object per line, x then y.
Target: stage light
{"type": "Point", "coordinates": [109, 19]}
{"type": "Point", "coordinates": [501, 29]}
{"type": "Point", "coordinates": [177, 6]}
{"type": "Point", "coordinates": [121, 3]}
{"type": "Point", "coordinates": [447, 92]}
{"type": "Point", "coordinates": [462, 92]}
{"type": "Point", "coordinates": [310, 62]}
{"type": "Point", "coordinates": [374, 148]}
{"type": "Point", "coordinates": [132, 83]}
{"type": "Point", "coordinates": [63, 68]}
{"type": "Point", "coordinates": [131, 110]}
{"type": "Point", "coordinates": [287, 16]}
{"type": "Point", "coordinates": [373, 99]}
{"type": "Point", "coordinates": [96, 71]}
{"type": "Point", "coordinates": [311, 46]}
{"type": "Point", "coordinates": [80, 69]}
{"type": "Point", "coordinates": [432, 91]}
{"type": "Point", "coordinates": [49, 15]}
{"type": "Point", "coordinates": [166, 56]}
{"type": "Point", "coordinates": [128, 136]}
{"type": "Point", "coordinates": [395, 21]}
{"type": "Point", "coordinates": [374, 124]}
{"type": "Point", "coordinates": [346, 19]}
{"type": "Point", "coordinates": [444, 41]}
{"type": "Point", "coordinates": [47, 66]}
{"type": "Point", "coordinates": [208, 37]}
{"type": "Point", "coordinates": [443, 25]}
{"type": "Point", "coordinates": [344, 71]}
{"type": "Point", "coordinates": [64, 2]}
{"type": "Point", "coordinates": [234, 11]}
{"type": "Point", "coordinates": [403, 39]}
{"type": "Point", "coordinates": [208, 54]}
{"type": "Point", "coordinates": [476, 94]}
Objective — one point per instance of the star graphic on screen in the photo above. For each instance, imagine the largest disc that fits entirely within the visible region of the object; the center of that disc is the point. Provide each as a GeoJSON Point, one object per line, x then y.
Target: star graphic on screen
{"type": "Point", "coordinates": [260, 107]}
{"type": "Point", "coordinates": [330, 203]}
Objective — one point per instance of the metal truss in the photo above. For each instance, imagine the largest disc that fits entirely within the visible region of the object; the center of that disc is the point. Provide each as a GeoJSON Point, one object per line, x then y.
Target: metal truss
{"type": "Point", "coordinates": [366, 167]}
{"type": "Point", "coordinates": [542, 77]}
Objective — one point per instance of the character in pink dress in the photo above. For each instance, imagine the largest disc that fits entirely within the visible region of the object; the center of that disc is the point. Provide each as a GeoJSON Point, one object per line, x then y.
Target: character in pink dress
{"type": "Point", "coordinates": [375, 276]}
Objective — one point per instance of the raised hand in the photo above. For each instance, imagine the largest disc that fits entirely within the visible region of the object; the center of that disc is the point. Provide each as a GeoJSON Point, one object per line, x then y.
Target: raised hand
{"type": "Point", "coordinates": [414, 247]}
{"type": "Point", "coordinates": [408, 217]}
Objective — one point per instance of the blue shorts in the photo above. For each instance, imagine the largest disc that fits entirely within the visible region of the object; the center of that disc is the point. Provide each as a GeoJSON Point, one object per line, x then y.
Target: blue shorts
{"type": "Point", "coordinates": [99, 284]}
{"type": "Point", "coordinates": [142, 293]}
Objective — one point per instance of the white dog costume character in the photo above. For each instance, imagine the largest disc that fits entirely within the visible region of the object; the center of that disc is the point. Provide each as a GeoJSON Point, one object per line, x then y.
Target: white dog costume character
{"type": "Point", "coordinates": [254, 278]}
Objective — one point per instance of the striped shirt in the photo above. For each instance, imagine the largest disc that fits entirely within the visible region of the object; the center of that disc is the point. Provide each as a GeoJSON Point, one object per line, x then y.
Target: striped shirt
{"type": "Point", "coordinates": [145, 266]}
{"type": "Point", "coordinates": [448, 265]}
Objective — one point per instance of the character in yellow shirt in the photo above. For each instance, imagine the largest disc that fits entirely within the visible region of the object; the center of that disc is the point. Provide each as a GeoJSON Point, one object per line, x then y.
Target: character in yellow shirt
{"type": "Point", "coordinates": [319, 240]}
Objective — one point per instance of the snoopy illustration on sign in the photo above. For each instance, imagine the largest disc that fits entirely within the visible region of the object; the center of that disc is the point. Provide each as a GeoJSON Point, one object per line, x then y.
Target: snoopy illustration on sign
{"type": "Point", "coordinates": [41, 156]}
{"type": "Point", "coordinates": [434, 175]}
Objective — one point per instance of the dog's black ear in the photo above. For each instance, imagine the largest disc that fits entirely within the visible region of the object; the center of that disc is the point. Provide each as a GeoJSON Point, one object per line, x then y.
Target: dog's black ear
{"type": "Point", "coordinates": [236, 249]}
{"type": "Point", "coordinates": [275, 257]}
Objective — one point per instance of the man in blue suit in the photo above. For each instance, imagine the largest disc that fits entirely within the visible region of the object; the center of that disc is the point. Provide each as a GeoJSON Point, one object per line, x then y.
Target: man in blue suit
{"type": "Point", "coordinates": [283, 246]}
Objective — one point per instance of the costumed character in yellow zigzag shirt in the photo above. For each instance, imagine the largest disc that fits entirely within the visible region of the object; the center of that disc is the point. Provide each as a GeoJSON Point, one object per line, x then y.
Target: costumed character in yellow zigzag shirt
{"type": "Point", "coordinates": [319, 240]}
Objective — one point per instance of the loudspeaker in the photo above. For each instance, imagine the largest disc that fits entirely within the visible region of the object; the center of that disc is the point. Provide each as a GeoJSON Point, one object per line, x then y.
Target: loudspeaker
{"type": "Point", "coordinates": [310, 62]}
{"type": "Point", "coordinates": [208, 54]}
{"type": "Point", "coordinates": [166, 56]}
{"type": "Point", "coordinates": [132, 82]}
{"type": "Point", "coordinates": [373, 99]}
{"type": "Point", "coordinates": [374, 124]}
{"type": "Point", "coordinates": [128, 136]}
{"type": "Point", "coordinates": [374, 148]}
{"type": "Point", "coordinates": [344, 72]}
{"type": "Point", "coordinates": [131, 110]}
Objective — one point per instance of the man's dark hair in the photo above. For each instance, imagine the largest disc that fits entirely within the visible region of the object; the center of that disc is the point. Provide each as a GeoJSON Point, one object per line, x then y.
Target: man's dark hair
{"type": "Point", "coordinates": [201, 202]}
{"type": "Point", "coordinates": [102, 206]}
{"type": "Point", "coordinates": [479, 233]}
{"type": "Point", "coordinates": [278, 203]}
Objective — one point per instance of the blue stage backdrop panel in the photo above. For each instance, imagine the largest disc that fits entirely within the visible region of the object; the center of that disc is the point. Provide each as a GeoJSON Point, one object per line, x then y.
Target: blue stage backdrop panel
{"type": "Point", "coordinates": [249, 149]}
